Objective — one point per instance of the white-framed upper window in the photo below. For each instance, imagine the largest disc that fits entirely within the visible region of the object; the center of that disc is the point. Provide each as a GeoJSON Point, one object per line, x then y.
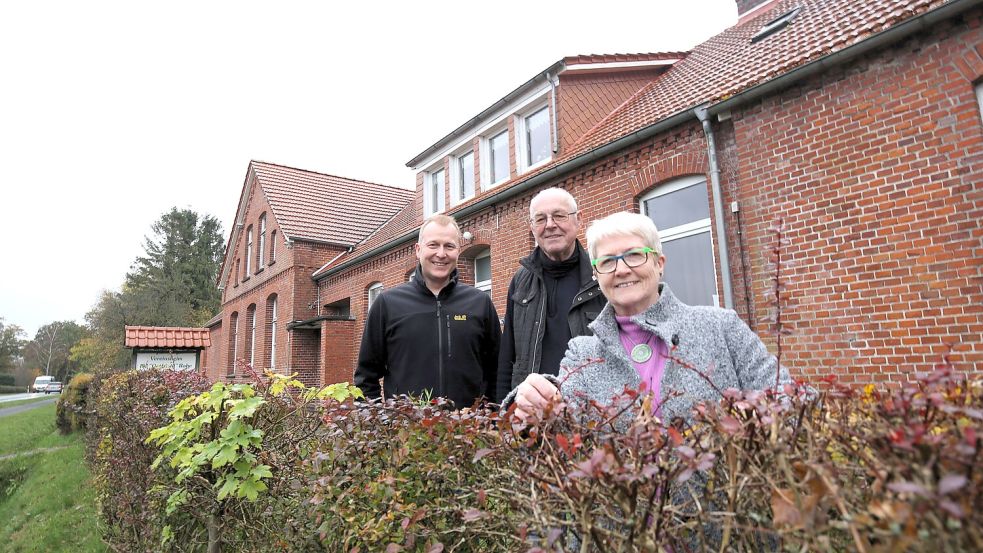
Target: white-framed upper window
{"type": "Point", "coordinates": [462, 176]}
{"type": "Point", "coordinates": [534, 138]}
{"type": "Point", "coordinates": [374, 290]}
{"type": "Point", "coordinates": [681, 211]}
{"type": "Point", "coordinates": [482, 271]}
{"type": "Point", "coordinates": [261, 250]}
{"type": "Point", "coordinates": [252, 336]}
{"type": "Point", "coordinates": [433, 192]}
{"type": "Point", "coordinates": [249, 251]}
{"type": "Point", "coordinates": [495, 158]}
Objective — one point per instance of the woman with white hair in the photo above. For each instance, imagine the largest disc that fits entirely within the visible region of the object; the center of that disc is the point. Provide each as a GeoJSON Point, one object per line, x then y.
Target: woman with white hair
{"type": "Point", "coordinates": [646, 339]}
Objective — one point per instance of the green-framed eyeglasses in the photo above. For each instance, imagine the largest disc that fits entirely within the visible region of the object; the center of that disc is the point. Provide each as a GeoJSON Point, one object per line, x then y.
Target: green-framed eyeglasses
{"type": "Point", "coordinates": [632, 258]}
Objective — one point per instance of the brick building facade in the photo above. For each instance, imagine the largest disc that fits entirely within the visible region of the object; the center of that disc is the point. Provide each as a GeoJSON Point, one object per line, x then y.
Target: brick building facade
{"type": "Point", "coordinates": [857, 126]}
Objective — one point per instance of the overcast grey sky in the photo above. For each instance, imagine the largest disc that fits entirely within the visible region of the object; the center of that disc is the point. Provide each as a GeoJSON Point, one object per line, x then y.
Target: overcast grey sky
{"type": "Point", "coordinates": [111, 113]}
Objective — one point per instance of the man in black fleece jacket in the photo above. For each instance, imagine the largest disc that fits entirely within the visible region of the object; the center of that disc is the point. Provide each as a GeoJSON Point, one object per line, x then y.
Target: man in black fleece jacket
{"type": "Point", "coordinates": [431, 335]}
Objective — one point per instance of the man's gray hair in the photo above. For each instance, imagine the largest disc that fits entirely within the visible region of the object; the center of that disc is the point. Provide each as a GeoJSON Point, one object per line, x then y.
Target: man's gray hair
{"type": "Point", "coordinates": [553, 191]}
{"type": "Point", "coordinates": [623, 223]}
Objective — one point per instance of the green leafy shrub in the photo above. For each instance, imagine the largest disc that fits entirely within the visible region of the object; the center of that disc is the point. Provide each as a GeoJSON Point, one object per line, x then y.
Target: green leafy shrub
{"type": "Point", "coordinates": [126, 407]}
{"type": "Point", "coordinates": [6, 379]}
{"type": "Point", "coordinates": [71, 412]}
{"type": "Point", "coordinates": [13, 389]}
{"type": "Point", "coordinates": [231, 444]}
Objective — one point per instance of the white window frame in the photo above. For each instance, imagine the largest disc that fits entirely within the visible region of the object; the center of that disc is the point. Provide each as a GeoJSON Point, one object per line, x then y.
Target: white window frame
{"type": "Point", "coordinates": [261, 250]}
{"type": "Point", "coordinates": [235, 344]}
{"type": "Point", "coordinates": [979, 96]}
{"type": "Point", "coordinates": [375, 290]}
{"type": "Point", "coordinates": [485, 155]}
{"type": "Point", "coordinates": [249, 251]}
{"type": "Point", "coordinates": [272, 245]}
{"type": "Point", "coordinates": [483, 285]}
{"type": "Point", "coordinates": [252, 339]}
{"type": "Point", "coordinates": [273, 319]}
{"type": "Point", "coordinates": [429, 206]}
{"type": "Point", "coordinates": [522, 142]}
{"type": "Point", "coordinates": [455, 179]}
{"type": "Point", "coordinates": [688, 229]}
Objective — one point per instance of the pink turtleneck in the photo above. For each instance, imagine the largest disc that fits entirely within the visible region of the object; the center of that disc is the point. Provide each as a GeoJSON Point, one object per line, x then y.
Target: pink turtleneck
{"type": "Point", "coordinates": [651, 370]}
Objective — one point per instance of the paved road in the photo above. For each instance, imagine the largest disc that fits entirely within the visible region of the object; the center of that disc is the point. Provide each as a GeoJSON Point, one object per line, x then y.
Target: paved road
{"type": "Point", "coordinates": [15, 397]}
{"type": "Point", "coordinates": [4, 411]}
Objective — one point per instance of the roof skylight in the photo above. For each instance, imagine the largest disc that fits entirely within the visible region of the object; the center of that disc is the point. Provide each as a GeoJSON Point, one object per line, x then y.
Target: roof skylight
{"type": "Point", "coordinates": [776, 24]}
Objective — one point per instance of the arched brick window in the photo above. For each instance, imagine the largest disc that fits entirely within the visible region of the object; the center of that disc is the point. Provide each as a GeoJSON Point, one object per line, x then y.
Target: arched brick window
{"type": "Point", "coordinates": [271, 319]}
{"type": "Point", "coordinates": [374, 290]}
{"type": "Point", "coordinates": [251, 335]}
{"type": "Point", "coordinates": [233, 341]}
{"type": "Point", "coordinates": [261, 246]}
{"type": "Point", "coordinates": [249, 252]}
{"type": "Point", "coordinates": [681, 211]}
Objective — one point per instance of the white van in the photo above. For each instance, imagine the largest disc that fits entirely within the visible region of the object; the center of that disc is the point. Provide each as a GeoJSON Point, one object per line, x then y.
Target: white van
{"type": "Point", "coordinates": [41, 383]}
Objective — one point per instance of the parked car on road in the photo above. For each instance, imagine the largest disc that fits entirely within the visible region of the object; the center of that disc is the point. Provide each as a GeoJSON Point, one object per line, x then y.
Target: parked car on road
{"type": "Point", "coordinates": [41, 382]}
{"type": "Point", "coordinates": [52, 387]}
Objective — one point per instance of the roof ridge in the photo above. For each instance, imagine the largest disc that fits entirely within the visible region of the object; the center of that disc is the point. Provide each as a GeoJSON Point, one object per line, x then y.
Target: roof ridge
{"type": "Point", "coordinates": [311, 171]}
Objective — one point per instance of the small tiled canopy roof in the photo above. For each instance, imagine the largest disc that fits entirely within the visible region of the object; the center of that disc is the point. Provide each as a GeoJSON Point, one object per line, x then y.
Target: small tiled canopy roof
{"type": "Point", "coordinates": [167, 337]}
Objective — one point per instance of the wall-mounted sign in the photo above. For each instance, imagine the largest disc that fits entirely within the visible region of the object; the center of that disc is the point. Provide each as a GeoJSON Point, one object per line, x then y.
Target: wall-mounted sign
{"type": "Point", "coordinates": [184, 361]}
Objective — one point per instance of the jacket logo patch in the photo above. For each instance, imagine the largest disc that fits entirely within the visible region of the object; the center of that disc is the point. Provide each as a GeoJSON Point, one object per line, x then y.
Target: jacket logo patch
{"type": "Point", "coordinates": [460, 317]}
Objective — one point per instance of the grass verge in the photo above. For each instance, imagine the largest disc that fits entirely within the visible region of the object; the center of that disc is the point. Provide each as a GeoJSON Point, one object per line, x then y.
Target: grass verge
{"type": "Point", "coordinates": [46, 502]}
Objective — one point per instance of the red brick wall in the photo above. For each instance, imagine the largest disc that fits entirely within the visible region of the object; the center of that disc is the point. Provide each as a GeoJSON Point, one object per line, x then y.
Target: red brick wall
{"type": "Point", "coordinates": [305, 356]}
{"type": "Point", "coordinates": [288, 279]}
{"type": "Point", "coordinates": [875, 169]}
{"type": "Point", "coordinates": [583, 100]}
{"type": "Point", "coordinates": [337, 351]}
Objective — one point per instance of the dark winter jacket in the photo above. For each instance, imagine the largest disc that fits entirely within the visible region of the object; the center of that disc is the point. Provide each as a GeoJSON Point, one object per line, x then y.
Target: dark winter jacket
{"type": "Point", "coordinates": [523, 334]}
{"type": "Point", "coordinates": [418, 343]}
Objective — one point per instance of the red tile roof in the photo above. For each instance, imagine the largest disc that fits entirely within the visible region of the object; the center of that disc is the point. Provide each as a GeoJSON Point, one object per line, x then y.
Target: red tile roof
{"type": "Point", "coordinates": [730, 63]}
{"type": "Point", "coordinates": [326, 208]}
{"type": "Point", "coordinates": [167, 337]}
{"type": "Point", "coordinates": [716, 69]}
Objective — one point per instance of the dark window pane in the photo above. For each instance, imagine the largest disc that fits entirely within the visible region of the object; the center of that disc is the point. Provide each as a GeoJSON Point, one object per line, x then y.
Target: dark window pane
{"type": "Point", "coordinates": [482, 269]}
{"type": "Point", "coordinates": [689, 269]}
{"type": "Point", "coordinates": [680, 207]}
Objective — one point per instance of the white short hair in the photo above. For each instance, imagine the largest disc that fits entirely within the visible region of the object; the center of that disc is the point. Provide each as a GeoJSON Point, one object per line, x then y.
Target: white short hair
{"type": "Point", "coordinates": [553, 191]}
{"type": "Point", "coordinates": [623, 223]}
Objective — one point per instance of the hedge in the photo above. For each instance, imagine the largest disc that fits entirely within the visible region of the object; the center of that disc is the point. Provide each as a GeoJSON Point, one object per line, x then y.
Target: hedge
{"type": "Point", "coordinates": [838, 470]}
{"type": "Point", "coordinates": [13, 389]}
{"type": "Point", "coordinates": [6, 379]}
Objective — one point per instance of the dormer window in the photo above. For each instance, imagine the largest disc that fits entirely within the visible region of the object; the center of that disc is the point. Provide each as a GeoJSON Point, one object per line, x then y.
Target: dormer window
{"type": "Point", "coordinates": [535, 138]}
{"type": "Point", "coordinates": [433, 192]}
{"type": "Point", "coordinates": [463, 174]}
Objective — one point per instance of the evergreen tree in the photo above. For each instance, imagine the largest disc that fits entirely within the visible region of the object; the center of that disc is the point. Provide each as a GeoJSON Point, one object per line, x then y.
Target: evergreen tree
{"type": "Point", "coordinates": [173, 284]}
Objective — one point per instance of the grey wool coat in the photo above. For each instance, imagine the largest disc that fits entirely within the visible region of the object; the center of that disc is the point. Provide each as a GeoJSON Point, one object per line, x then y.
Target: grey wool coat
{"type": "Point", "coordinates": [711, 340]}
